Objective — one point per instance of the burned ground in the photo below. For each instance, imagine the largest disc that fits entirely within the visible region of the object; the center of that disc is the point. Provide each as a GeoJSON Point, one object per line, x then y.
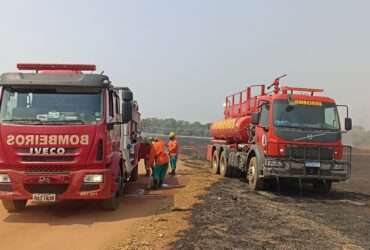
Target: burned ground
{"type": "Point", "coordinates": [230, 216]}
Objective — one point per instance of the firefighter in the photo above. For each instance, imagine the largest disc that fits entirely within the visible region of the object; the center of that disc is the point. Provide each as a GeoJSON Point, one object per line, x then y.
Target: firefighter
{"type": "Point", "coordinates": [145, 150]}
{"type": "Point", "coordinates": [173, 150]}
{"type": "Point", "coordinates": [159, 160]}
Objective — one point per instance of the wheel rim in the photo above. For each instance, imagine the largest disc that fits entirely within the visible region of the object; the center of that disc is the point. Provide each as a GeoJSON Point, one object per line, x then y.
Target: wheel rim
{"type": "Point", "coordinates": [214, 162]}
{"type": "Point", "coordinates": [252, 172]}
{"type": "Point", "coordinates": [120, 184]}
{"type": "Point", "coordinates": [222, 165]}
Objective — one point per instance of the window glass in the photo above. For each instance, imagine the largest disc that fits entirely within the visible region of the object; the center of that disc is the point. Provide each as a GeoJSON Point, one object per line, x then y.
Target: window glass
{"type": "Point", "coordinates": [50, 105]}
{"type": "Point", "coordinates": [306, 115]}
{"type": "Point", "coordinates": [265, 115]}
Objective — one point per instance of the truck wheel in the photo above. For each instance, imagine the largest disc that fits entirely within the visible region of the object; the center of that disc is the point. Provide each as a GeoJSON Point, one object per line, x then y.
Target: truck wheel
{"type": "Point", "coordinates": [215, 163]}
{"type": "Point", "coordinates": [135, 174]}
{"type": "Point", "coordinates": [112, 203]}
{"type": "Point", "coordinates": [224, 167]}
{"type": "Point", "coordinates": [13, 206]}
{"type": "Point", "coordinates": [322, 187]}
{"type": "Point", "coordinates": [255, 182]}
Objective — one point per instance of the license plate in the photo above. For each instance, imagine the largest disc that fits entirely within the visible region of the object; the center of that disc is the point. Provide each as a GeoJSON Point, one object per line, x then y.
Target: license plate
{"type": "Point", "coordinates": [312, 164]}
{"type": "Point", "coordinates": [44, 197]}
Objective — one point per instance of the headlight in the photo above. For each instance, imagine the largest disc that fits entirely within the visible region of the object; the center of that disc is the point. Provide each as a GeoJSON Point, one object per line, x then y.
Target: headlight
{"type": "Point", "coordinates": [274, 163]}
{"type": "Point", "coordinates": [93, 178]}
{"type": "Point", "coordinates": [4, 178]}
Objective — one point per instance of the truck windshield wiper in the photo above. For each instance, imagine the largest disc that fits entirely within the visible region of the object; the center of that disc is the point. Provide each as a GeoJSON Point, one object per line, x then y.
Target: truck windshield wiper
{"type": "Point", "coordinates": [307, 128]}
{"type": "Point", "coordinates": [66, 121]}
{"type": "Point", "coordinates": [25, 120]}
{"type": "Point", "coordinates": [293, 127]}
{"type": "Point", "coordinates": [37, 121]}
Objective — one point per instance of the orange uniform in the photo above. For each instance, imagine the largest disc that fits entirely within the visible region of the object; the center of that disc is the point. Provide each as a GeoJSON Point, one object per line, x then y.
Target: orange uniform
{"type": "Point", "coordinates": [160, 158]}
{"type": "Point", "coordinates": [158, 154]}
{"type": "Point", "coordinates": [173, 147]}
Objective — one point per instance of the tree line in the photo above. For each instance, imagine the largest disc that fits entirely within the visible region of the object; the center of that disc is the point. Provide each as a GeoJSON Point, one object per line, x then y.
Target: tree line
{"type": "Point", "coordinates": [180, 127]}
{"type": "Point", "coordinates": [358, 137]}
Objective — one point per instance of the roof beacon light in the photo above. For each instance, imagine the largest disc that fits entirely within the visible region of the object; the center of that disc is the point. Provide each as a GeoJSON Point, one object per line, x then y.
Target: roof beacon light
{"type": "Point", "coordinates": [70, 67]}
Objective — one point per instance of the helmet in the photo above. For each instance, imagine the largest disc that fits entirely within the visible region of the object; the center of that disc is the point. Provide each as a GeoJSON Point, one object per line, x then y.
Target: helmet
{"type": "Point", "coordinates": [149, 139]}
{"type": "Point", "coordinates": [172, 135]}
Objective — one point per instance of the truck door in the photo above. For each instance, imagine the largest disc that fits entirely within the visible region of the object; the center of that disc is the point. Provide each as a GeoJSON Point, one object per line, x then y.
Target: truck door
{"type": "Point", "coordinates": [263, 125]}
{"type": "Point", "coordinates": [114, 119]}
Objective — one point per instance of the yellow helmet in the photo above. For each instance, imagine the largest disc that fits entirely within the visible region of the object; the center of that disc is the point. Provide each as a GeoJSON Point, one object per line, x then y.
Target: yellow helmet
{"type": "Point", "coordinates": [172, 135]}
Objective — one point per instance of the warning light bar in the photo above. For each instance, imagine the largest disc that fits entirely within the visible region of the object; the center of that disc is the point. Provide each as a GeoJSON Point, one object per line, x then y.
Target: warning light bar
{"type": "Point", "coordinates": [71, 67]}
{"type": "Point", "coordinates": [292, 89]}
{"type": "Point", "coordinates": [301, 89]}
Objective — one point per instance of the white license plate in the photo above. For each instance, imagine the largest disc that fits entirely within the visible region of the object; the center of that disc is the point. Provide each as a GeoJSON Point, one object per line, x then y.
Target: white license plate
{"type": "Point", "coordinates": [44, 197]}
{"type": "Point", "coordinates": [312, 164]}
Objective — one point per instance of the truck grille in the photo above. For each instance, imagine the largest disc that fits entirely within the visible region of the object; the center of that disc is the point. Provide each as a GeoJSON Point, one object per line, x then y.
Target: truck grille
{"type": "Point", "coordinates": [46, 188]}
{"type": "Point", "coordinates": [39, 158]}
{"type": "Point", "coordinates": [47, 169]}
{"type": "Point", "coordinates": [310, 171]}
{"type": "Point", "coordinates": [309, 153]}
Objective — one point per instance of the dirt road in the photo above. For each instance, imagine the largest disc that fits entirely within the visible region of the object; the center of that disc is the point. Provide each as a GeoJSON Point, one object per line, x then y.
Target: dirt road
{"type": "Point", "coordinates": [201, 211]}
{"type": "Point", "coordinates": [144, 220]}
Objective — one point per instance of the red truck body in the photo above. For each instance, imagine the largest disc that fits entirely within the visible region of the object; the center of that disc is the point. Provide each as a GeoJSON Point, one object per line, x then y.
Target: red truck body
{"type": "Point", "coordinates": [65, 135]}
{"type": "Point", "coordinates": [289, 132]}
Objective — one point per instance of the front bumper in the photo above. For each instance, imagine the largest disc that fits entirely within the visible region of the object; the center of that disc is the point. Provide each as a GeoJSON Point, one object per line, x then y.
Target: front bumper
{"type": "Point", "coordinates": [66, 186]}
{"type": "Point", "coordinates": [330, 170]}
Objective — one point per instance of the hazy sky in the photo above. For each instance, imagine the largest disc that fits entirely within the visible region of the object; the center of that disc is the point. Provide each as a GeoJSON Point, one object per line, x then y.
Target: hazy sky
{"type": "Point", "coordinates": [182, 57]}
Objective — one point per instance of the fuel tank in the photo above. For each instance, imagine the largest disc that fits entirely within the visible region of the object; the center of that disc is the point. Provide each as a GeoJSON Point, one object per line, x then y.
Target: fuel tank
{"type": "Point", "coordinates": [231, 130]}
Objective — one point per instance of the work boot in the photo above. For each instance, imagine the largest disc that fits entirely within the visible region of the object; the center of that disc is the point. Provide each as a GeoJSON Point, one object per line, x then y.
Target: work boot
{"type": "Point", "coordinates": [173, 172]}
{"type": "Point", "coordinates": [155, 184]}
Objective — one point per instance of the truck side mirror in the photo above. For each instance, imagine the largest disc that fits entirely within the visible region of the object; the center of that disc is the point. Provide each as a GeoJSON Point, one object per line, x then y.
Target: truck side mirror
{"type": "Point", "coordinates": [348, 124]}
{"type": "Point", "coordinates": [126, 111]}
{"type": "Point", "coordinates": [127, 99]}
{"type": "Point", "coordinates": [255, 118]}
{"type": "Point", "coordinates": [347, 120]}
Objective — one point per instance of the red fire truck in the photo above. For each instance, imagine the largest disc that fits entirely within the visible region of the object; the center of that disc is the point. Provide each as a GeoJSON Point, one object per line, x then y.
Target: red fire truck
{"type": "Point", "coordinates": [288, 132]}
{"type": "Point", "coordinates": [65, 135]}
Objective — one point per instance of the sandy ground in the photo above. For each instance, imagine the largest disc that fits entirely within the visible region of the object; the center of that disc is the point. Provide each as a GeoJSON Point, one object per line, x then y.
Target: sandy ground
{"type": "Point", "coordinates": [145, 219]}
{"type": "Point", "coordinates": [202, 211]}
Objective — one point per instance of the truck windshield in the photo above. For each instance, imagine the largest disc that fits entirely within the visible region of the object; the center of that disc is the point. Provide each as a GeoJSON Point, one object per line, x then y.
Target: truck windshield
{"type": "Point", "coordinates": [51, 106]}
{"type": "Point", "coordinates": [306, 115]}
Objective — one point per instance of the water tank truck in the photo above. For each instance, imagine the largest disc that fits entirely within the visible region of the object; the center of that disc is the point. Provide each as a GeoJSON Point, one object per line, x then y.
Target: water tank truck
{"type": "Point", "coordinates": [281, 132]}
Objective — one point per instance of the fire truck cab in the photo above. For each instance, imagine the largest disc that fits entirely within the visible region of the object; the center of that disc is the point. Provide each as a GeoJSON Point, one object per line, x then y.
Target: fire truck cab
{"type": "Point", "coordinates": [65, 135]}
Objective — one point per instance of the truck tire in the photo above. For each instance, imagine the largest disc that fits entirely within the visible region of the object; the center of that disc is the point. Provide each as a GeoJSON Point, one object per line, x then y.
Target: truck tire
{"type": "Point", "coordinates": [135, 174]}
{"type": "Point", "coordinates": [254, 181]}
{"type": "Point", "coordinates": [322, 187]}
{"type": "Point", "coordinates": [225, 169]}
{"type": "Point", "coordinates": [215, 163]}
{"type": "Point", "coordinates": [113, 203]}
{"type": "Point", "coordinates": [13, 206]}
